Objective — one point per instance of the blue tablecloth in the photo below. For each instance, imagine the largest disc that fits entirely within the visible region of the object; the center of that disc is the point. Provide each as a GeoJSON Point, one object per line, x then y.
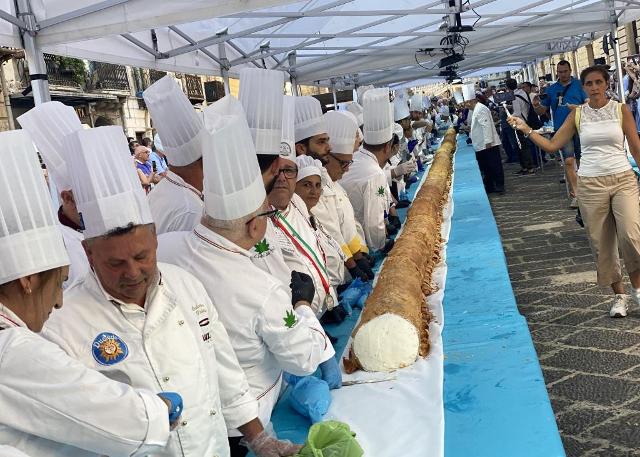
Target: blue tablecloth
{"type": "Point", "coordinates": [496, 402]}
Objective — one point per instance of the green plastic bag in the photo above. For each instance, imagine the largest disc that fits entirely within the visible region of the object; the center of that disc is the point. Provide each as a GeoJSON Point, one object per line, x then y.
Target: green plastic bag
{"type": "Point", "coordinates": [331, 439]}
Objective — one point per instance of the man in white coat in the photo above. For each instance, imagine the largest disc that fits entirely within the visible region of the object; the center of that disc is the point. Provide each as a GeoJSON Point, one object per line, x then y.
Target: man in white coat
{"type": "Point", "coordinates": [44, 393]}
{"type": "Point", "coordinates": [176, 202]}
{"type": "Point", "coordinates": [148, 324]}
{"type": "Point", "coordinates": [47, 124]}
{"type": "Point", "coordinates": [334, 210]}
{"type": "Point", "coordinates": [365, 182]}
{"type": "Point", "coordinates": [271, 329]}
{"type": "Point", "coordinates": [486, 142]}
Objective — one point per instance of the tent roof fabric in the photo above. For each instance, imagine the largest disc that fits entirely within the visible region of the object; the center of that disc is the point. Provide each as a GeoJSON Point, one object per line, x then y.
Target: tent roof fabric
{"type": "Point", "coordinates": [352, 41]}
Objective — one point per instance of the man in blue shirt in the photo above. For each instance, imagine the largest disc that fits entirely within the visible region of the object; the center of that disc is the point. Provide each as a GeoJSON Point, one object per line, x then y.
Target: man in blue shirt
{"type": "Point", "coordinates": [561, 97]}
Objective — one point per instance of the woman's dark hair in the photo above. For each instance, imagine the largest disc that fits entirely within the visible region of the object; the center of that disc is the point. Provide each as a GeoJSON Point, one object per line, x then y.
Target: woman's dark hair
{"type": "Point", "coordinates": [595, 69]}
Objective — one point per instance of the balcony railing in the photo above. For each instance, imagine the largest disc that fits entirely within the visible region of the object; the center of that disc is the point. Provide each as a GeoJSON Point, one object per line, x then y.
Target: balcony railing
{"type": "Point", "coordinates": [156, 75]}
{"type": "Point", "coordinates": [107, 76]}
{"type": "Point", "coordinates": [194, 87]}
{"type": "Point", "coordinates": [65, 71]}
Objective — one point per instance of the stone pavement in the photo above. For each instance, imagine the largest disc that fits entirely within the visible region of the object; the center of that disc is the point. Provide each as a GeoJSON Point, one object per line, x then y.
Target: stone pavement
{"type": "Point", "coordinates": [591, 363]}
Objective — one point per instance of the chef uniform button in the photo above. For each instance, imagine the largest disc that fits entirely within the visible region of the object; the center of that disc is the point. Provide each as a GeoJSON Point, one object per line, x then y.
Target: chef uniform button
{"type": "Point", "coordinates": [180, 322]}
{"type": "Point", "coordinates": [183, 423]}
{"type": "Point", "coordinates": [166, 379]}
{"type": "Point", "coordinates": [212, 412]}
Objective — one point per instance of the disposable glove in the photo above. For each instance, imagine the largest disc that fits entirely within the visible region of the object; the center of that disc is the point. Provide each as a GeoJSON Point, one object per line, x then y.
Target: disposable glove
{"type": "Point", "coordinates": [365, 266]}
{"type": "Point", "coordinates": [265, 445]}
{"type": "Point", "coordinates": [356, 272]}
{"type": "Point", "coordinates": [395, 222]}
{"type": "Point", "coordinates": [406, 167]}
{"type": "Point", "coordinates": [388, 246]}
{"type": "Point", "coordinates": [331, 373]}
{"type": "Point", "coordinates": [302, 288]}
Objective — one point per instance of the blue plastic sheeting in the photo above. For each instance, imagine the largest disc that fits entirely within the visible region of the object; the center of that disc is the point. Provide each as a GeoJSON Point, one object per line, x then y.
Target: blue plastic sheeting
{"type": "Point", "coordinates": [495, 399]}
{"type": "Point", "coordinates": [287, 422]}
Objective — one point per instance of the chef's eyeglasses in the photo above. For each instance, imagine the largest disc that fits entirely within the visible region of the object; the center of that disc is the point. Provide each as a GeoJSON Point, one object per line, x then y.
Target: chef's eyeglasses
{"type": "Point", "coordinates": [267, 214]}
{"type": "Point", "coordinates": [343, 163]}
{"type": "Point", "coordinates": [289, 173]}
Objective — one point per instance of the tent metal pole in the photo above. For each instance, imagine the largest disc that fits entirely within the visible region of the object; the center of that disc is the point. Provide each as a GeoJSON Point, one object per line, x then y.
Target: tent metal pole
{"type": "Point", "coordinates": [224, 67]}
{"type": "Point", "coordinates": [33, 55]}
{"type": "Point", "coordinates": [333, 91]}
{"type": "Point", "coordinates": [292, 74]}
{"type": "Point", "coordinates": [616, 50]}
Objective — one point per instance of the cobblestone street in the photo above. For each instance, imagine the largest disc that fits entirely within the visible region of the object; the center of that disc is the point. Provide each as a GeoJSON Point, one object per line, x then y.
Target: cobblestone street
{"type": "Point", "coordinates": [591, 363]}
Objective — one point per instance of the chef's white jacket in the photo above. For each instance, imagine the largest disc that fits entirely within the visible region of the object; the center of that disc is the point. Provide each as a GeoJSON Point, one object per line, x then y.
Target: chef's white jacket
{"type": "Point", "coordinates": [51, 405]}
{"type": "Point", "coordinates": [175, 205]}
{"type": "Point", "coordinates": [335, 213]}
{"type": "Point", "coordinates": [79, 265]}
{"type": "Point", "coordinates": [267, 334]}
{"type": "Point", "coordinates": [366, 186]}
{"type": "Point", "coordinates": [176, 343]}
{"type": "Point", "coordinates": [297, 216]}
{"type": "Point", "coordinates": [483, 132]}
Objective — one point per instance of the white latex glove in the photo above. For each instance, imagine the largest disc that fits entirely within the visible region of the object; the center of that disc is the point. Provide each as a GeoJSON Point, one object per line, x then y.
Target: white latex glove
{"type": "Point", "coordinates": [265, 445]}
{"type": "Point", "coordinates": [406, 167]}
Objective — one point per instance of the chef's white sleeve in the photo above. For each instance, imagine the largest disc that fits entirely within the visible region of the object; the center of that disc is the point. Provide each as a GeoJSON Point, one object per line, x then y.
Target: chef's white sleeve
{"type": "Point", "coordinates": [46, 393]}
{"type": "Point", "coordinates": [294, 337]}
{"type": "Point", "coordinates": [375, 204]}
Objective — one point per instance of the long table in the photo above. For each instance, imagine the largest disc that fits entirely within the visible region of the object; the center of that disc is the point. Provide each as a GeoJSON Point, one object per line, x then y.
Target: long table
{"type": "Point", "coordinates": [496, 402]}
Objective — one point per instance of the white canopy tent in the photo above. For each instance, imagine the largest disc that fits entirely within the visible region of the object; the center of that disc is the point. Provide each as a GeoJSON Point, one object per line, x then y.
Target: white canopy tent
{"type": "Point", "coordinates": [343, 42]}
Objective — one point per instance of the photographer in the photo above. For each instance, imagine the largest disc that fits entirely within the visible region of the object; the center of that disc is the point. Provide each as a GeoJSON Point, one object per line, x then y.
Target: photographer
{"type": "Point", "coordinates": [523, 108]}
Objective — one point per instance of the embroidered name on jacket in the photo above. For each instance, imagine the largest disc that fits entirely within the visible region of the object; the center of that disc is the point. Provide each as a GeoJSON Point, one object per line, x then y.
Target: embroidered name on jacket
{"type": "Point", "coordinates": [109, 349]}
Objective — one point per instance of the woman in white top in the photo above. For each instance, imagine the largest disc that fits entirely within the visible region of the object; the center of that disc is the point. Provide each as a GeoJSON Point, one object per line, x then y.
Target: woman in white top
{"type": "Point", "coordinates": [607, 186]}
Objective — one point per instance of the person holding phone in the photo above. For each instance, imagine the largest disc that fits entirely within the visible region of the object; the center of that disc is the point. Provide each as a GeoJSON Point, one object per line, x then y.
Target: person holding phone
{"type": "Point", "coordinates": [146, 173]}
{"type": "Point", "coordinates": [561, 98]}
{"type": "Point", "coordinates": [607, 188]}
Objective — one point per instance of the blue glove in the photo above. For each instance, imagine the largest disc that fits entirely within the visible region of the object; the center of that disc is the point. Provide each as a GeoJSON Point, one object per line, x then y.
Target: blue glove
{"type": "Point", "coordinates": [176, 404]}
{"type": "Point", "coordinates": [412, 144]}
{"type": "Point", "coordinates": [420, 166]}
{"type": "Point", "coordinates": [331, 373]}
{"type": "Point", "coordinates": [310, 397]}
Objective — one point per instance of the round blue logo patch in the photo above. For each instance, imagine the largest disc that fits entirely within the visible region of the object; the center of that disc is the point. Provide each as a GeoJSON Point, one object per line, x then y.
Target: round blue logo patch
{"type": "Point", "coordinates": [109, 349]}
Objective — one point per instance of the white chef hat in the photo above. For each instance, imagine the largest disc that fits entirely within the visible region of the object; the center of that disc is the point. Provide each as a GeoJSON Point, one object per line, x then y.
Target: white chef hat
{"type": "Point", "coordinates": [30, 237]}
{"type": "Point", "coordinates": [47, 124]}
{"type": "Point", "coordinates": [341, 128]}
{"type": "Point", "coordinates": [360, 91]}
{"type": "Point", "coordinates": [288, 144]}
{"type": "Point", "coordinates": [400, 107]}
{"type": "Point", "coordinates": [398, 130]}
{"type": "Point", "coordinates": [308, 166]}
{"type": "Point", "coordinates": [309, 120]}
{"type": "Point", "coordinates": [355, 108]}
{"type": "Point", "coordinates": [416, 102]}
{"type": "Point", "coordinates": [444, 110]}
{"type": "Point", "coordinates": [378, 117]}
{"type": "Point", "coordinates": [233, 186]}
{"type": "Point", "coordinates": [261, 93]}
{"type": "Point", "coordinates": [458, 97]}
{"type": "Point", "coordinates": [468, 91]}
{"type": "Point", "coordinates": [106, 186]}
{"type": "Point", "coordinates": [177, 122]}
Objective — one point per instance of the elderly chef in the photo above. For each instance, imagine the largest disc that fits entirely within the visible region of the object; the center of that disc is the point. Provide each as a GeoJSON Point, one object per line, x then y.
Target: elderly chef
{"type": "Point", "coordinates": [147, 324]}
{"type": "Point", "coordinates": [43, 392]}
{"type": "Point", "coordinates": [365, 182]}
{"type": "Point", "coordinates": [271, 328]}
{"type": "Point", "coordinates": [309, 188]}
{"type": "Point", "coordinates": [47, 124]}
{"type": "Point", "coordinates": [176, 201]}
